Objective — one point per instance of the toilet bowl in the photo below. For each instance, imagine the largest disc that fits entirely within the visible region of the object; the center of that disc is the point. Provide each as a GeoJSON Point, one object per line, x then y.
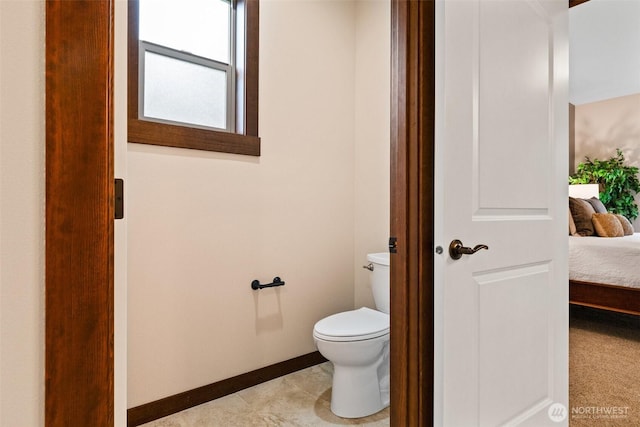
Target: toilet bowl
{"type": "Point", "coordinates": [357, 343]}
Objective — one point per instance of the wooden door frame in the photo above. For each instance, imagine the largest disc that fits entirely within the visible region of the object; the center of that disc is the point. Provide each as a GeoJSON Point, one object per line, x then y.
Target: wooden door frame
{"type": "Point", "coordinates": [79, 204]}
{"type": "Point", "coordinates": [79, 329]}
{"type": "Point", "coordinates": [412, 214]}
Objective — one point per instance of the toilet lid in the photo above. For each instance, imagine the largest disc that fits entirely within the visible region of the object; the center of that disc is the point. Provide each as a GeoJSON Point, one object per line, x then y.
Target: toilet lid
{"type": "Point", "coordinates": [355, 325]}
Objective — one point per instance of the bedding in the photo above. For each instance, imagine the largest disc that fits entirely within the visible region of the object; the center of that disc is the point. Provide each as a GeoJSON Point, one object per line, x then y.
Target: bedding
{"type": "Point", "coordinates": [627, 227]}
{"type": "Point", "coordinates": [597, 205]}
{"type": "Point", "coordinates": [582, 211]}
{"type": "Point", "coordinates": [612, 261]}
{"type": "Point", "coordinates": [573, 231]}
{"type": "Point", "coordinates": [607, 225]}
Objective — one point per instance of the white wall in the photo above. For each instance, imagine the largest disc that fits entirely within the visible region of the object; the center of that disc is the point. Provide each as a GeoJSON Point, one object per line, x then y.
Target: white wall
{"type": "Point", "coordinates": [202, 226]}
{"type": "Point", "coordinates": [21, 213]}
{"type": "Point", "coordinates": [601, 127]}
{"type": "Point", "coordinates": [605, 50]}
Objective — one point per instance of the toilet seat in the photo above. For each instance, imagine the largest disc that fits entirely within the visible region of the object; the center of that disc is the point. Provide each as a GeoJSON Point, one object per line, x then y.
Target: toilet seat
{"type": "Point", "coordinates": [355, 325]}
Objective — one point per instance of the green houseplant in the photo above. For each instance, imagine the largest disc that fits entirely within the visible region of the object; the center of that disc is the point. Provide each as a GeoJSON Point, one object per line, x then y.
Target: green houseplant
{"type": "Point", "coordinates": [618, 183]}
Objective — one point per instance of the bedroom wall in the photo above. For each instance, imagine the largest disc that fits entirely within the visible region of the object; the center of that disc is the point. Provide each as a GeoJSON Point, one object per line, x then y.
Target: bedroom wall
{"type": "Point", "coordinates": [601, 127]}
{"type": "Point", "coordinates": [202, 225]}
{"type": "Point", "coordinates": [22, 188]}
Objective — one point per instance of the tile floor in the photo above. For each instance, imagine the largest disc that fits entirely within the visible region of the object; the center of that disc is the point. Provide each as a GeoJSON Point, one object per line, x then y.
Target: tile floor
{"type": "Point", "coordinates": [301, 399]}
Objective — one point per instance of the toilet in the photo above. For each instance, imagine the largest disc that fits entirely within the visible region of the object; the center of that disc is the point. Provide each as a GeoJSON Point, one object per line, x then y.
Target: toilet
{"type": "Point", "coordinates": [357, 343]}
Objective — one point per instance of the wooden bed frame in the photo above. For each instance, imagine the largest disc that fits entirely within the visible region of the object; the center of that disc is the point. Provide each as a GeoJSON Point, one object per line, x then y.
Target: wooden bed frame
{"type": "Point", "coordinates": [607, 297]}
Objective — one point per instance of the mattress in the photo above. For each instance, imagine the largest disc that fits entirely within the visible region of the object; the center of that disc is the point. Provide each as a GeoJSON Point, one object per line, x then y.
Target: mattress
{"type": "Point", "coordinates": [606, 260]}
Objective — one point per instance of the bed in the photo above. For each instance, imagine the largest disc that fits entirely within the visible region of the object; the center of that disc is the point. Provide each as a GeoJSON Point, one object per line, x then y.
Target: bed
{"type": "Point", "coordinates": [604, 272]}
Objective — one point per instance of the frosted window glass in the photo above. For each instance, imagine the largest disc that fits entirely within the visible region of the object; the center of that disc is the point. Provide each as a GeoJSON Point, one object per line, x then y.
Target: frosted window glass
{"type": "Point", "coordinates": [200, 27]}
{"type": "Point", "coordinates": [184, 92]}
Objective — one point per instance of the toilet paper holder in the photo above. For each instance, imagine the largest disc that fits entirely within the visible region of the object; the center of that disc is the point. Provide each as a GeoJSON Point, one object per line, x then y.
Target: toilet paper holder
{"type": "Point", "coordinates": [255, 285]}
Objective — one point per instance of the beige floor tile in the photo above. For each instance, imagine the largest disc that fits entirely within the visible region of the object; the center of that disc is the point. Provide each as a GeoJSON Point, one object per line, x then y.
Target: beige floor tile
{"type": "Point", "coordinates": [315, 380]}
{"type": "Point", "coordinates": [300, 399]}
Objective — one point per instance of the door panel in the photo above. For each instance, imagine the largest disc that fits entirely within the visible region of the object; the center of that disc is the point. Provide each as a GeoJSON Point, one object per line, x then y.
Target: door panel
{"type": "Point", "coordinates": [508, 383]}
{"type": "Point", "coordinates": [501, 146]}
{"type": "Point", "coordinates": [514, 92]}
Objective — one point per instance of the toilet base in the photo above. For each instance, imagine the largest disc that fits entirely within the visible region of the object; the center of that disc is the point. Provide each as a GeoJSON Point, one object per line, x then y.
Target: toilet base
{"type": "Point", "coordinates": [356, 392]}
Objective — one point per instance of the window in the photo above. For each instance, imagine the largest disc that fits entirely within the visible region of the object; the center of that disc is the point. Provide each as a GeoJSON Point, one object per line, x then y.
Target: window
{"type": "Point", "coordinates": [193, 74]}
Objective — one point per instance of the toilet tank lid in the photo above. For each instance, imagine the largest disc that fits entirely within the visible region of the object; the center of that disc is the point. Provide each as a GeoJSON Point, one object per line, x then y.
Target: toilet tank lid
{"type": "Point", "coordinates": [381, 258]}
{"type": "Point", "coordinates": [360, 324]}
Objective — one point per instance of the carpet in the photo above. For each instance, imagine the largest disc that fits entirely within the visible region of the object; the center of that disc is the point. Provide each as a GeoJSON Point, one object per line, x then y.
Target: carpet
{"type": "Point", "coordinates": [604, 368]}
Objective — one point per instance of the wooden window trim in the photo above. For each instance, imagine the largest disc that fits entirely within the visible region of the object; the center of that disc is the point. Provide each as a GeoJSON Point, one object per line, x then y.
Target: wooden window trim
{"type": "Point", "coordinates": [244, 142]}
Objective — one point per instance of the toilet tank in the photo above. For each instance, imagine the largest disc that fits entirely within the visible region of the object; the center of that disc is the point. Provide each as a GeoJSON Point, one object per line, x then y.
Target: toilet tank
{"type": "Point", "coordinates": [379, 278]}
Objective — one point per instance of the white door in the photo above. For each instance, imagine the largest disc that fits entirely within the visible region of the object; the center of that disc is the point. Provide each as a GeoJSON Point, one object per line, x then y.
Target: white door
{"type": "Point", "coordinates": [501, 316]}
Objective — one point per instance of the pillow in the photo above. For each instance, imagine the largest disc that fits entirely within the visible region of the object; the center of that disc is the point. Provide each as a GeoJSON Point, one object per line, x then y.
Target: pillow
{"type": "Point", "coordinates": [607, 225]}
{"type": "Point", "coordinates": [572, 225]}
{"type": "Point", "coordinates": [581, 211]}
{"type": "Point", "coordinates": [627, 228]}
{"type": "Point", "coordinates": [597, 205]}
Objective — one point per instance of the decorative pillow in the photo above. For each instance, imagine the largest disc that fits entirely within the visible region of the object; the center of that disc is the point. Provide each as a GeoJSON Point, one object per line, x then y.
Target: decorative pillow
{"type": "Point", "coordinates": [572, 225]}
{"type": "Point", "coordinates": [627, 228]}
{"type": "Point", "coordinates": [607, 225]}
{"type": "Point", "coordinates": [581, 211]}
{"type": "Point", "coordinates": [597, 205]}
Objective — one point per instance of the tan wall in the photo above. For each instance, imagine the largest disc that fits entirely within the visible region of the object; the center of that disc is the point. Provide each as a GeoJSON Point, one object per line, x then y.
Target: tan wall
{"type": "Point", "coordinates": [202, 226]}
{"type": "Point", "coordinates": [601, 127]}
{"type": "Point", "coordinates": [21, 213]}
{"type": "Point", "coordinates": [372, 134]}
{"type": "Point", "coordinates": [120, 226]}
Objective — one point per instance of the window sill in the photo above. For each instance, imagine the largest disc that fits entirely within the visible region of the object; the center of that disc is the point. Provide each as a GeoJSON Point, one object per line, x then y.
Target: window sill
{"type": "Point", "coordinates": [144, 132]}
